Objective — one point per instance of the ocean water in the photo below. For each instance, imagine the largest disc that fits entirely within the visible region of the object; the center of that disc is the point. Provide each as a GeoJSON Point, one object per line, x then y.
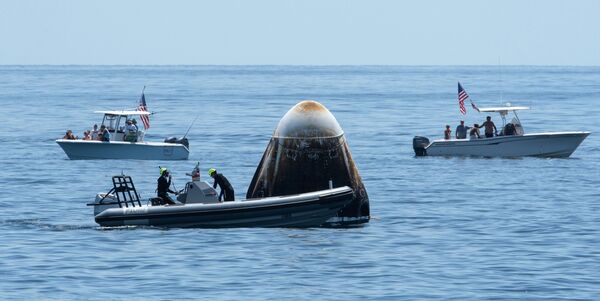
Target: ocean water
{"type": "Point", "coordinates": [441, 228]}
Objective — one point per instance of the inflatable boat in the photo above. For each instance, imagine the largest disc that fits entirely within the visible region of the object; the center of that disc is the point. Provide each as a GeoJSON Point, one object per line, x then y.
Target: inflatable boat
{"type": "Point", "coordinates": [198, 206]}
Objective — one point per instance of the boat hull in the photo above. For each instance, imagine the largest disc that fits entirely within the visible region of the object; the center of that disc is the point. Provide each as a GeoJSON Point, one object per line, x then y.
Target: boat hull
{"type": "Point", "coordinates": [552, 145]}
{"type": "Point", "coordinates": [86, 149]}
{"type": "Point", "coordinates": [303, 210]}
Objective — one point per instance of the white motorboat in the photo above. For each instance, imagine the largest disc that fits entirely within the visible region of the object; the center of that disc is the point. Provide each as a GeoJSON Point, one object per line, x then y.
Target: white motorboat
{"type": "Point", "coordinates": [117, 148]}
{"type": "Point", "coordinates": [512, 141]}
{"type": "Point", "coordinates": [199, 207]}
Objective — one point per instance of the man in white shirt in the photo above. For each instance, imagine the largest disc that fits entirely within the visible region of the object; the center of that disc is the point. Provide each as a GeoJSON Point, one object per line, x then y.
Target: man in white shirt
{"type": "Point", "coordinates": [130, 132]}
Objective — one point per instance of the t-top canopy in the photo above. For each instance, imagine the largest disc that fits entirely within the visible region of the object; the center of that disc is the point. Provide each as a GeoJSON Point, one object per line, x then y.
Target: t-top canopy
{"type": "Point", "coordinates": [502, 109]}
{"type": "Point", "coordinates": [123, 112]}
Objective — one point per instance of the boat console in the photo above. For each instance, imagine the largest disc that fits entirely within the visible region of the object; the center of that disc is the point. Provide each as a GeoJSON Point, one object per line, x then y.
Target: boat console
{"type": "Point", "coordinates": [198, 192]}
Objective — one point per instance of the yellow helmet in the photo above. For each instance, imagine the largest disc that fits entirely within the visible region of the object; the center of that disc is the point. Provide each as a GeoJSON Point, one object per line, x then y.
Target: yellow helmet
{"type": "Point", "coordinates": [211, 171]}
{"type": "Point", "coordinates": [163, 170]}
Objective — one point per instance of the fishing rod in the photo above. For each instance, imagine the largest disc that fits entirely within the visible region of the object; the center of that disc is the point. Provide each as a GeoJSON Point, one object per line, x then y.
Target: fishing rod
{"type": "Point", "coordinates": [190, 127]}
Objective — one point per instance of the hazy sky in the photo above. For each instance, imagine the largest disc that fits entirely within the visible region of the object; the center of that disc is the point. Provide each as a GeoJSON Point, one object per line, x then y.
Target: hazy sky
{"type": "Point", "coordinates": [322, 32]}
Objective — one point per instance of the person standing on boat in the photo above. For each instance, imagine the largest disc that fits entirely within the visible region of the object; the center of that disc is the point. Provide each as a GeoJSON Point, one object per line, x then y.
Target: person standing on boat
{"type": "Point", "coordinates": [95, 132]}
{"type": "Point", "coordinates": [474, 133]}
{"type": "Point", "coordinates": [130, 132]}
{"type": "Point", "coordinates": [447, 133]}
{"type": "Point", "coordinates": [164, 186]}
{"type": "Point", "coordinates": [461, 130]}
{"type": "Point", "coordinates": [134, 122]}
{"type": "Point", "coordinates": [104, 133]}
{"type": "Point", "coordinates": [490, 127]}
{"type": "Point", "coordinates": [226, 188]}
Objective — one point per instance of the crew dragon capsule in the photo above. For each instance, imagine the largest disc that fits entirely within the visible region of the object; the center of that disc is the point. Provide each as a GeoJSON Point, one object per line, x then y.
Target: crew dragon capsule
{"type": "Point", "coordinates": [308, 152]}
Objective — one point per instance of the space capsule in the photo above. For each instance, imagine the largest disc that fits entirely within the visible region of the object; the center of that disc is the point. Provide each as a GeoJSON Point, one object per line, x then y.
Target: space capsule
{"type": "Point", "coordinates": [308, 152]}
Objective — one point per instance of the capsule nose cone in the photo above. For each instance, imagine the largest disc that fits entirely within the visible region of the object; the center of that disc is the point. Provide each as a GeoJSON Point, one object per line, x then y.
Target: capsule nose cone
{"type": "Point", "coordinates": [308, 119]}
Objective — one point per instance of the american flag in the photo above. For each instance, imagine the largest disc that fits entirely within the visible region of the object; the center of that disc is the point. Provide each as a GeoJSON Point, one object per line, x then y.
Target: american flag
{"type": "Point", "coordinates": [142, 107]}
{"type": "Point", "coordinates": [462, 96]}
{"type": "Point", "coordinates": [474, 106]}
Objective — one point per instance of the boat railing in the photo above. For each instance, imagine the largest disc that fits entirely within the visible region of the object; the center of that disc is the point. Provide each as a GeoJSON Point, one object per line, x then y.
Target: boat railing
{"type": "Point", "coordinates": [125, 191]}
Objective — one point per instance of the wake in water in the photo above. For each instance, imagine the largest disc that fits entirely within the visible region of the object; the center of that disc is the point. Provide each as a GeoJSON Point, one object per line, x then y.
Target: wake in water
{"type": "Point", "coordinates": [41, 225]}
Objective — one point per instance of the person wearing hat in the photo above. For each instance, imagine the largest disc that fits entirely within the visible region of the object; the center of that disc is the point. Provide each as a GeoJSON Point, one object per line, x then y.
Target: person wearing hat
{"type": "Point", "coordinates": [226, 188]}
{"type": "Point", "coordinates": [164, 186]}
{"type": "Point", "coordinates": [130, 132]}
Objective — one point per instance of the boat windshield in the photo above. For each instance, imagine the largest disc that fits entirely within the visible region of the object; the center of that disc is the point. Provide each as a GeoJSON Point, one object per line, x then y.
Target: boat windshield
{"type": "Point", "coordinates": [513, 127]}
{"type": "Point", "coordinates": [111, 121]}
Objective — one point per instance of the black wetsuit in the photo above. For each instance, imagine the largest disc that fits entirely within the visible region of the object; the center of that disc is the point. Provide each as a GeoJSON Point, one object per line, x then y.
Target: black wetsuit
{"type": "Point", "coordinates": [226, 188]}
{"type": "Point", "coordinates": [164, 186]}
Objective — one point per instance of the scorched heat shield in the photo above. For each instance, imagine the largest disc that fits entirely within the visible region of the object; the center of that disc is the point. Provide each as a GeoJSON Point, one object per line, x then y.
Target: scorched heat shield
{"type": "Point", "coordinates": [308, 152]}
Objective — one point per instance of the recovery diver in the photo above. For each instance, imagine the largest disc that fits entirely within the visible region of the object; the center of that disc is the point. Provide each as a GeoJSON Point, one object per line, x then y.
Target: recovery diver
{"type": "Point", "coordinates": [226, 188]}
{"type": "Point", "coordinates": [164, 186]}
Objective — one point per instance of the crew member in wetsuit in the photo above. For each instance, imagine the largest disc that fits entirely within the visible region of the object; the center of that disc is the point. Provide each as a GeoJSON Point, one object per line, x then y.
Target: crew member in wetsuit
{"type": "Point", "coordinates": [226, 188]}
{"type": "Point", "coordinates": [164, 186]}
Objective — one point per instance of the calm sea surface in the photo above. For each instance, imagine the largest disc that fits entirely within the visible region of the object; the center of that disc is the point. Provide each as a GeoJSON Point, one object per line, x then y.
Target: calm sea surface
{"type": "Point", "coordinates": [441, 228]}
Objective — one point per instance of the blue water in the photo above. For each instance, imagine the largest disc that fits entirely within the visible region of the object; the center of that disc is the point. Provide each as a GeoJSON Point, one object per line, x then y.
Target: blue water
{"type": "Point", "coordinates": [441, 228]}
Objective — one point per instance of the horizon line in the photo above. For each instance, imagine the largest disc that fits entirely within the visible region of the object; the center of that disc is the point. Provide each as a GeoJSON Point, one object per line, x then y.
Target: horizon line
{"type": "Point", "coordinates": [294, 65]}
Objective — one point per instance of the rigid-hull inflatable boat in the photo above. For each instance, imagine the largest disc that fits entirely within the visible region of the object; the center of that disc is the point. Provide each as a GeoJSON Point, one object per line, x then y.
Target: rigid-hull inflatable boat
{"type": "Point", "coordinates": [198, 207]}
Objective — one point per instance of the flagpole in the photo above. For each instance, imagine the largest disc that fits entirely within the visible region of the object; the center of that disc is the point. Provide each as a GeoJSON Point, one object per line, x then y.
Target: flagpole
{"type": "Point", "coordinates": [143, 107]}
{"type": "Point", "coordinates": [143, 89]}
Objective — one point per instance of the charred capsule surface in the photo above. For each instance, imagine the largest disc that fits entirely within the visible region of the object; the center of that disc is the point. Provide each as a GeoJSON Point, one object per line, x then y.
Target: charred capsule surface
{"type": "Point", "coordinates": [308, 152]}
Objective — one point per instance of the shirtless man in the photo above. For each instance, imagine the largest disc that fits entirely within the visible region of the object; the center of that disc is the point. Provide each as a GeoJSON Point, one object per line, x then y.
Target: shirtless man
{"type": "Point", "coordinates": [474, 132]}
{"type": "Point", "coordinates": [490, 127]}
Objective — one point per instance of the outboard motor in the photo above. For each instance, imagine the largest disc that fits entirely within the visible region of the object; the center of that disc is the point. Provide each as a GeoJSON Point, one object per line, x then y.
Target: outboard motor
{"type": "Point", "coordinates": [176, 140]}
{"type": "Point", "coordinates": [419, 145]}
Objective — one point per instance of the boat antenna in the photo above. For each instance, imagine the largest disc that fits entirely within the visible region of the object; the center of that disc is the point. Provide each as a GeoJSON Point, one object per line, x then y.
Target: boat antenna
{"type": "Point", "coordinates": [500, 80]}
{"type": "Point", "coordinates": [190, 127]}
{"type": "Point", "coordinates": [143, 89]}
{"type": "Point", "coordinates": [173, 183]}
{"type": "Point", "coordinates": [138, 102]}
